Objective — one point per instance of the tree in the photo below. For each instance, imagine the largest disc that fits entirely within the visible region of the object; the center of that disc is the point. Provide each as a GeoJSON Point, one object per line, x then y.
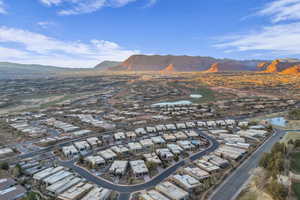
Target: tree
{"type": "Point", "coordinates": [294, 114]}
{"type": "Point", "coordinates": [4, 166]}
{"type": "Point", "coordinates": [264, 161]}
{"type": "Point", "coordinates": [31, 196]}
{"type": "Point", "coordinates": [81, 159]}
{"type": "Point", "coordinates": [297, 143]}
{"type": "Point", "coordinates": [176, 158]}
{"type": "Point", "coordinates": [277, 190]}
{"type": "Point", "coordinates": [151, 166]}
{"type": "Point", "coordinates": [17, 171]}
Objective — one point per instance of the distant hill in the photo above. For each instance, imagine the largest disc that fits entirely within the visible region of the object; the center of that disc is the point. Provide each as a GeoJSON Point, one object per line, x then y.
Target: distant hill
{"type": "Point", "coordinates": [183, 63]}
{"type": "Point", "coordinates": [106, 65]}
{"type": "Point", "coordinates": [15, 70]}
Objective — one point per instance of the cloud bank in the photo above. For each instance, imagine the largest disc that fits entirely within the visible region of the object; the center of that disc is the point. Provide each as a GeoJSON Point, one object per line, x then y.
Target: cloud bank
{"type": "Point", "coordinates": [41, 49]}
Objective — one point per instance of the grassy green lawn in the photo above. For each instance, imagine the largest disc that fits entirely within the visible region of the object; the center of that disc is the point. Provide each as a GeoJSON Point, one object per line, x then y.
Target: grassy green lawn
{"type": "Point", "coordinates": [296, 188]}
{"type": "Point", "coordinates": [295, 162]}
{"type": "Point", "coordinates": [207, 95]}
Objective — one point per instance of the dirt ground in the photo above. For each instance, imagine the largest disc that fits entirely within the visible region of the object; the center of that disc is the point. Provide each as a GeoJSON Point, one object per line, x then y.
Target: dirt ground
{"type": "Point", "coordinates": [253, 190]}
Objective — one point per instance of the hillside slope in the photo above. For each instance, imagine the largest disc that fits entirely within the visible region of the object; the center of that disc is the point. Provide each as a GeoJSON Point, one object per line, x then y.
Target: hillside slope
{"type": "Point", "coordinates": [106, 65]}
{"type": "Point", "coordinates": [14, 70]}
{"type": "Point", "coordinates": [182, 63]}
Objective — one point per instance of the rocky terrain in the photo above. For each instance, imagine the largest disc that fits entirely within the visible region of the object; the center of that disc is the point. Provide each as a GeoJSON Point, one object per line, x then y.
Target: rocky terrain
{"type": "Point", "coordinates": [283, 66]}
{"type": "Point", "coordinates": [183, 63]}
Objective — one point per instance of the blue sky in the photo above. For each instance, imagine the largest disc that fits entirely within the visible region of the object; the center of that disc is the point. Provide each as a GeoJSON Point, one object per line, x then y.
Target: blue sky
{"type": "Point", "coordinates": [82, 33]}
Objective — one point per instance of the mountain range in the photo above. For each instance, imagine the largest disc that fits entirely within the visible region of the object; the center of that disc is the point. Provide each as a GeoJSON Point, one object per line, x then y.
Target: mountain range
{"type": "Point", "coordinates": [183, 63]}
{"type": "Point", "coordinates": [162, 64]}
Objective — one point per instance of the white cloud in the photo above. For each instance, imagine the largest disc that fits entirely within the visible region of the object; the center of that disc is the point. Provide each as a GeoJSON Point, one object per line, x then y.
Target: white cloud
{"type": "Point", "coordinates": [8, 53]}
{"type": "Point", "coordinates": [281, 10]}
{"type": "Point", "coordinates": [51, 2]}
{"type": "Point", "coordinates": [2, 8]}
{"type": "Point", "coordinates": [82, 7]}
{"type": "Point", "coordinates": [45, 24]}
{"type": "Point", "coordinates": [283, 38]}
{"type": "Point", "coordinates": [75, 7]}
{"type": "Point", "coordinates": [38, 48]}
{"type": "Point", "coordinates": [150, 3]}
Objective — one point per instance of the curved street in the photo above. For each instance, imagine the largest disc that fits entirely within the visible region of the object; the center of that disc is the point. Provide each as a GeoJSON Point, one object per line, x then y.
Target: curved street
{"type": "Point", "coordinates": [125, 190]}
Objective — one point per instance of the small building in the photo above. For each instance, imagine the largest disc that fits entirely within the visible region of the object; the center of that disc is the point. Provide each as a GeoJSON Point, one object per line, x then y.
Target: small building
{"type": "Point", "coordinates": [130, 135]}
{"type": "Point", "coordinates": [118, 167]}
{"type": "Point", "coordinates": [196, 172]}
{"type": "Point", "coordinates": [186, 145]}
{"type": "Point", "coordinates": [161, 127]}
{"type": "Point", "coordinates": [95, 161]}
{"type": "Point", "coordinates": [152, 195]}
{"type": "Point", "coordinates": [216, 160]}
{"type": "Point", "coordinates": [70, 151]}
{"type": "Point", "coordinates": [175, 149]}
{"type": "Point", "coordinates": [172, 191]}
{"type": "Point", "coordinates": [108, 155]}
{"type": "Point", "coordinates": [4, 152]}
{"type": "Point", "coordinates": [6, 183]}
{"type": "Point", "coordinates": [164, 154]}
{"type": "Point", "coordinates": [76, 192]}
{"type": "Point", "coordinates": [207, 166]}
{"type": "Point", "coordinates": [46, 173]}
{"type": "Point", "coordinates": [169, 137]}
{"type": "Point", "coordinates": [93, 141]}
{"type": "Point", "coordinates": [201, 124]}
{"type": "Point", "coordinates": [135, 147]}
{"type": "Point", "coordinates": [140, 131]}
{"type": "Point", "coordinates": [171, 127]}
{"type": "Point", "coordinates": [211, 124]}
{"type": "Point", "coordinates": [181, 136]}
{"type": "Point", "coordinates": [186, 181]}
{"type": "Point", "coordinates": [151, 129]}
{"type": "Point", "coordinates": [147, 144]}
{"type": "Point", "coordinates": [63, 185]}
{"type": "Point", "coordinates": [158, 140]}
{"type": "Point", "coordinates": [181, 126]}
{"type": "Point", "coordinates": [139, 168]}
{"type": "Point", "coordinates": [98, 193]}
{"type": "Point", "coordinates": [120, 149]}
{"type": "Point", "coordinates": [56, 177]}
{"type": "Point", "coordinates": [152, 158]}
{"type": "Point", "coordinates": [190, 124]}
{"type": "Point", "coordinates": [82, 146]}
{"type": "Point", "coordinates": [119, 136]}
{"type": "Point", "coordinates": [192, 134]}
{"type": "Point", "coordinates": [13, 193]}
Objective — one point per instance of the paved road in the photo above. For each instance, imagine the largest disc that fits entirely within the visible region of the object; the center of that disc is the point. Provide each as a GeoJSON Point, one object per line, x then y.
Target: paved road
{"type": "Point", "coordinates": [125, 190]}
{"type": "Point", "coordinates": [230, 188]}
{"type": "Point", "coordinates": [50, 148]}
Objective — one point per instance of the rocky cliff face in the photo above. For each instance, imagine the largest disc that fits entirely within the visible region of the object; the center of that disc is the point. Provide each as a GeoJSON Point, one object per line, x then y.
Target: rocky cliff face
{"type": "Point", "coordinates": [183, 63]}
{"type": "Point", "coordinates": [295, 70]}
{"type": "Point", "coordinates": [282, 66]}
{"type": "Point", "coordinates": [169, 69]}
{"type": "Point", "coordinates": [214, 68]}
